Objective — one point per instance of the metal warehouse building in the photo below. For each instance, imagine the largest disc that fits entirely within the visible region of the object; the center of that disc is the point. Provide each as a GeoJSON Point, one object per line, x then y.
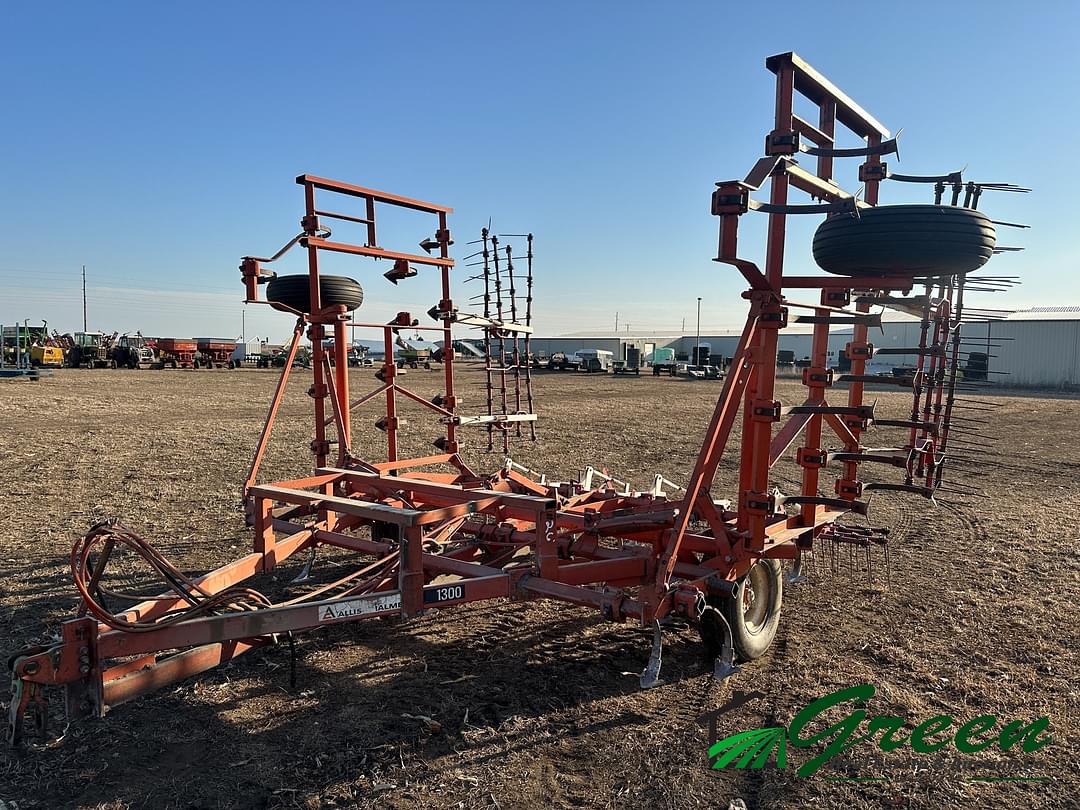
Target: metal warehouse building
{"type": "Point", "coordinates": [1031, 348]}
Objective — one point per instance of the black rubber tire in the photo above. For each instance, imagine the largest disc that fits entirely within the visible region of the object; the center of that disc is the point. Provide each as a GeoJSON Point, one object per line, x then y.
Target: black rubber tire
{"type": "Point", "coordinates": [922, 240]}
{"type": "Point", "coordinates": [294, 292]}
{"type": "Point", "coordinates": [754, 610]}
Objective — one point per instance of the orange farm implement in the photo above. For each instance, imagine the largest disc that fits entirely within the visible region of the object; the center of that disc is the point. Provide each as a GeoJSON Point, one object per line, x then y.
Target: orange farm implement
{"type": "Point", "coordinates": [431, 532]}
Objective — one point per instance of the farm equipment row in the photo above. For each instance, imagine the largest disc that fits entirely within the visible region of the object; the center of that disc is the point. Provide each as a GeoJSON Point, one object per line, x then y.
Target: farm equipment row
{"type": "Point", "coordinates": [431, 531]}
{"type": "Point", "coordinates": [100, 350]}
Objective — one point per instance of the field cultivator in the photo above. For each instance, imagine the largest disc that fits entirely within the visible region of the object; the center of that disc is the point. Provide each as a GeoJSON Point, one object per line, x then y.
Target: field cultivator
{"type": "Point", "coordinates": [431, 532]}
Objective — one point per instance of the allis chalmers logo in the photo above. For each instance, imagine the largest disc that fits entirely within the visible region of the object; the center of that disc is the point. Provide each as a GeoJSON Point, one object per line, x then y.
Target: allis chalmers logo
{"type": "Point", "coordinates": [754, 748]}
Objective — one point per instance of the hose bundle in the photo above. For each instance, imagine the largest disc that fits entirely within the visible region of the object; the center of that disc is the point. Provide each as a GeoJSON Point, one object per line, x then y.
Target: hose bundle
{"type": "Point", "coordinates": [87, 572]}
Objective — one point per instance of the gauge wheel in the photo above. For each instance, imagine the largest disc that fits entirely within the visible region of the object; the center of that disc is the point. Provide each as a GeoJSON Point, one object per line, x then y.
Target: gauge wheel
{"type": "Point", "coordinates": [752, 612]}
{"type": "Point", "coordinates": [293, 292]}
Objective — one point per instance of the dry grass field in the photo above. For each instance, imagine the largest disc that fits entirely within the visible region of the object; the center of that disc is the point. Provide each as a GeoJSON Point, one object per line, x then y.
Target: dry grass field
{"type": "Point", "coordinates": [537, 704]}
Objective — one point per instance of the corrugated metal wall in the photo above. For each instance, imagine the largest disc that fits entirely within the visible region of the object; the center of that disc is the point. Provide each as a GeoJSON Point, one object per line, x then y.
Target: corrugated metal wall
{"type": "Point", "coordinates": [1044, 354]}
{"type": "Point", "coordinates": [1033, 354]}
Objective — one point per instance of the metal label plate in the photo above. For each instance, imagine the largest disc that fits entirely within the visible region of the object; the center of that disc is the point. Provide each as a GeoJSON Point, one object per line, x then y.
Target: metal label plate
{"type": "Point", "coordinates": [360, 606]}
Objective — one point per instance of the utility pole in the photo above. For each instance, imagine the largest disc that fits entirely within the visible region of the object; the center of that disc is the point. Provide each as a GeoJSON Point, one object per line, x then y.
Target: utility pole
{"type": "Point", "coordinates": [697, 348]}
{"type": "Point", "coordinates": [243, 324]}
{"type": "Point", "coordinates": [84, 297]}
{"type": "Point", "coordinates": [616, 322]}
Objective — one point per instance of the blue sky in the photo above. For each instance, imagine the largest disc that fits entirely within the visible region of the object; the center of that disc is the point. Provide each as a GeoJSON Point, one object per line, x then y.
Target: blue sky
{"type": "Point", "coordinates": [157, 143]}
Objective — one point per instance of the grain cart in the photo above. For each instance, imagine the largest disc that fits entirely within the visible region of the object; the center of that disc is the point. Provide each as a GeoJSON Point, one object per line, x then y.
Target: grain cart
{"type": "Point", "coordinates": [433, 532]}
{"type": "Point", "coordinates": [214, 352]}
{"type": "Point", "coordinates": [176, 352]}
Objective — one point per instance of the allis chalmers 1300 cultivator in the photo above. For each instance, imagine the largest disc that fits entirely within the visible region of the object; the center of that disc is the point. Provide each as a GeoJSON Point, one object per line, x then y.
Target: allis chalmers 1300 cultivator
{"type": "Point", "coordinates": [432, 532]}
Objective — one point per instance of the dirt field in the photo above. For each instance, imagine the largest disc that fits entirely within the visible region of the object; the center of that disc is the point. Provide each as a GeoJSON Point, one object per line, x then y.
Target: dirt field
{"type": "Point", "coordinates": [537, 704]}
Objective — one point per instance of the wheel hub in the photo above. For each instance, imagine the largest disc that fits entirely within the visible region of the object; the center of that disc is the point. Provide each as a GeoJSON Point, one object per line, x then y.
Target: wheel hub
{"type": "Point", "coordinates": [748, 597]}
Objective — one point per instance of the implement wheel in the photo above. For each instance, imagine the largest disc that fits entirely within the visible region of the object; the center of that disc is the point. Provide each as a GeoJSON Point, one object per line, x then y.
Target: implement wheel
{"type": "Point", "coordinates": [294, 292]}
{"type": "Point", "coordinates": [753, 612]}
{"type": "Point", "coordinates": [923, 240]}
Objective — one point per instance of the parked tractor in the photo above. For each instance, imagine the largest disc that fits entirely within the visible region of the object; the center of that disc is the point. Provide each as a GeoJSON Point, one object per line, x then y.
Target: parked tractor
{"type": "Point", "coordinates": [87, 350]}
{"type": "Point", "coordinates": [131, 351]}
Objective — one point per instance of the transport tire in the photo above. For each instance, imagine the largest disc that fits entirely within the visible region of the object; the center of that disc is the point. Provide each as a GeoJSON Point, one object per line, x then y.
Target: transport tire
{"type": "Point", "coordinates": [753, 612]}
{"type": "Point", "coordinates": [922, 240]}
{"type": "Point", "coordinates": [294, 292]}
